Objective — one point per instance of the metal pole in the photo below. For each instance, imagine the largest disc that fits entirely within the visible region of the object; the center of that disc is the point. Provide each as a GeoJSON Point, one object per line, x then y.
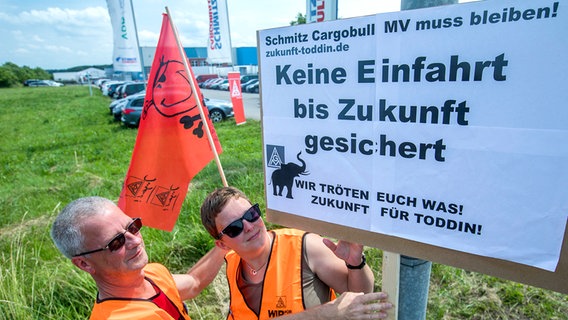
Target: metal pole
{"type": "Point", "coordinates": [229, 30]}
{"type": "Point", "coordinates": [138, 43]}
{"type": "Point", "coordinates": [415, 273]}
{"type": "Point", "coordinates": [89, 82]}
{"type": "Point", "coordinates": [413, 288]}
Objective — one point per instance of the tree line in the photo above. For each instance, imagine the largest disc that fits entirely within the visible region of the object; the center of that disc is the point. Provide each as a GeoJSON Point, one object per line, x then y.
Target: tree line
{"type": "Point", "coordinates": [12, 75]}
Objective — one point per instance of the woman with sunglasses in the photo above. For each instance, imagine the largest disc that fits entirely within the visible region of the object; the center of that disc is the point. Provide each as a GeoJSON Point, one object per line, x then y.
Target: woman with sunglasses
{"type": "Point", "coordinates": [103, 241]}
{"type": "Point", "coordinates": [287, 272]}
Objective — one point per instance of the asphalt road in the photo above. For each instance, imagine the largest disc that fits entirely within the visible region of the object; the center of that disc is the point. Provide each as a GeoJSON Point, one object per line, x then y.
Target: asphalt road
{"type": "Point", "coordinates": [251, 101]}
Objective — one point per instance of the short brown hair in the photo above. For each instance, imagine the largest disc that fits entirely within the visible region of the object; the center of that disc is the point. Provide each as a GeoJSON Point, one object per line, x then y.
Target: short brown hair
{"type": "Point", "coordinates": [214, 203]}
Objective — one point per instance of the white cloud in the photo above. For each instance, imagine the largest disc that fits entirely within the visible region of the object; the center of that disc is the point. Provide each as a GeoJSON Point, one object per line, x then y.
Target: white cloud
{"type": "Point", "coordinates": [17, 33]}
{"type": "Point", "coordinates": [22, 51]}
{"type": "Point", "coordinates": [148, 38]}
{"type": "Point", "coordinates": [8, 18]}
{"type": "Point", "coordinates": [37, 38]}
{"type": "Point", "coordinates": [58, 49]}
{"type": "Point", "coordinates": [88, 17]}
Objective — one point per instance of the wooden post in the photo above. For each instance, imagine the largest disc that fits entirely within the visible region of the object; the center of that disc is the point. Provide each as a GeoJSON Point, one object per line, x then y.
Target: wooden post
{"type": "Point", "coordinates": [391, 280]}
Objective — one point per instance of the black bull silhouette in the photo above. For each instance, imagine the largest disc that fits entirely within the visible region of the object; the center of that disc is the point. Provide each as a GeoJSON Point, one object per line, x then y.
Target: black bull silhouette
{"type": "Point", "coordinates": [284, 177]}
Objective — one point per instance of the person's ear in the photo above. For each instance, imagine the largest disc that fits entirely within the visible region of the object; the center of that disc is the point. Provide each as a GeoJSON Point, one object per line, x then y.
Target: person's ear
{"type": "Point", "coordinates": [222, 245]}
{"type": "Point", "coordinates": [83, 264]}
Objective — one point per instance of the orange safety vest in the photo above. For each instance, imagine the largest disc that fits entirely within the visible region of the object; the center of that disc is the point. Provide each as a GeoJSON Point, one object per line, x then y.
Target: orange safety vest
{"type": "Point", "coordinates": [282, 284]}
{"type": "Point", "coordinates": [129, 309]}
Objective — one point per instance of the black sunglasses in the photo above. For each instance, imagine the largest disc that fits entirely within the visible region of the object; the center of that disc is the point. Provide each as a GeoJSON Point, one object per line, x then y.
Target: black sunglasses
{"type": "Point", "coordinates": [236, 227]}
{"type": "Point", "coordinates": [120, 239]}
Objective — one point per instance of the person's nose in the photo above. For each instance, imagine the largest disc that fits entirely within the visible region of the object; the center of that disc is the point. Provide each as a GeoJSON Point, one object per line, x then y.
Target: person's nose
{"type": "Point", "coordinates": [248, 226]}
{"type": "Point", "coordinates": [133, 240]}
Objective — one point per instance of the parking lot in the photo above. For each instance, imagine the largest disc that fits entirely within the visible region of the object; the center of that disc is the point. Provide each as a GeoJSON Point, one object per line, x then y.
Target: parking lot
{"type": "Point", "coordinates": [251, 101]}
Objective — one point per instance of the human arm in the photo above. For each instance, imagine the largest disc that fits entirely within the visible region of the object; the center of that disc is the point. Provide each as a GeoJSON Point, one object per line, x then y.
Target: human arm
{"type": "Point", "coordinates": [349, 306]}
{"type": "Point", "coordinates": [200, 274]}
{"type": "Point", "coordinates": [327, 260]}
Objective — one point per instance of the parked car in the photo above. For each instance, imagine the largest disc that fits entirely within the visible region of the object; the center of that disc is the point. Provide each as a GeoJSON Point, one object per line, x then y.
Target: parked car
{"type": "Point", "coordinates": [247, 77]}
{"type": "Point", "coordinates": [214, 82]}
{"type": "Point", "coordinates": [45, 83]}
{"type": "Point", "coordinates": [206, 82]}
{"type": "Point", "coordinates": [219, 109]}
{"type": "Point", "coordinates": [54, 83]}
{"type": "Point", "coordinates": [116, 91]}
{"type": "Point", "coordinates": [39, 83]}
{"type": "Point", "coordinates": [128, 88]}
{"type": "Point", "coordinates": [99, 82]}
{"type": "Point", "coordinates": [106, 85]}
{"type": "Point", "coordinates": [131, 110]}
{"type": "Point", "coordinates": [253, 88]}
{"type": "Point", "coordinates": [117, 111]}
{"type": "Point", "coordinates": [27, 82]}
{"type": "Point", "coordinates": [116, 105]}
{"type": "Point", "coordinates": [112, 88]}
{"type": "Point", "coordinates": [204, 77]}
{"type": "Point", "coordinates": [224, 86]}
{"type": "Point", "coordinates": [245, 84]}
{"type": "Point", "coordinates": [217, 85]}
{"type": "Point", "coordinates": [250, 85]}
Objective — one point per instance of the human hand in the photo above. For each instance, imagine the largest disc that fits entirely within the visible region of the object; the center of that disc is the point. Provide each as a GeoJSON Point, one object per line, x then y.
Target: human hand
{"type": "Point", "coordinates": [347, 251]}
{"type": "Point", "coordinates": [359, 306]}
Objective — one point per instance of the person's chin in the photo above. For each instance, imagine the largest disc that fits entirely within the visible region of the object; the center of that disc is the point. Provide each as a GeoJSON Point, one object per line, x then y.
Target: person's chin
{"type": "Point", "coordinates": [257, 235]}
{"type": "Point", "coordinates": [139, 258]}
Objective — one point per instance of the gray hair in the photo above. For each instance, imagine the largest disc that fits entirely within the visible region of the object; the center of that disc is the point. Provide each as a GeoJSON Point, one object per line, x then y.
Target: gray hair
{"type": "Point", "coordinates": [66, 230]}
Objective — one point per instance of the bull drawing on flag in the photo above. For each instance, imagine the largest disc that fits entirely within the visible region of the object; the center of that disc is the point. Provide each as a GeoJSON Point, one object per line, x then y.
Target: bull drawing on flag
{"type": "Point", "coordinates": [172, 95]}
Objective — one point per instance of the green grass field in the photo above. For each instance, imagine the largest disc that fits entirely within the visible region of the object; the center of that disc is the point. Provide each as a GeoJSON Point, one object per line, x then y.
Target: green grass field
{"type": "Point", "coordinates": [59, 144]}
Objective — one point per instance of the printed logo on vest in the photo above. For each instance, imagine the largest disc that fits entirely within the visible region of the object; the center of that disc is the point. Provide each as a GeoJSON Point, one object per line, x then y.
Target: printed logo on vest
{"type": "Point", "coordinates": [280, 304]}
{"type": "Point", "coordinates": [278, 313]}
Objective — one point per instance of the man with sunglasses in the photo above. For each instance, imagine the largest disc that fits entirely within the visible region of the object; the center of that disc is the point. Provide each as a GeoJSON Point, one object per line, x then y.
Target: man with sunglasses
{"type": "Point", "coordinates": [103, 241]}
{"type": "Point", "coordinates": [287, 272]}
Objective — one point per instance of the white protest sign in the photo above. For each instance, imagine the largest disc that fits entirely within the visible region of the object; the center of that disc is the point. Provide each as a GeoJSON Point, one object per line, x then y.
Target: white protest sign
{"type": "Point", "coordinates": [445, 126]}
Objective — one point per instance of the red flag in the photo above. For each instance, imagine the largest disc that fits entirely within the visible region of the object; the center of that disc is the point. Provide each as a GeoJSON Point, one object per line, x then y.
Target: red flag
{"type": "Point", "coordinates": [237, 97]}
{"type": "Point", "coordinates": [172, 145]}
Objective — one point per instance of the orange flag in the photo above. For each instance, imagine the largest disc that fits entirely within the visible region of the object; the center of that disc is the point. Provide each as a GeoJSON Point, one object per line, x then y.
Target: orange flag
{"type": "Point", "coordinates": [172, 145]}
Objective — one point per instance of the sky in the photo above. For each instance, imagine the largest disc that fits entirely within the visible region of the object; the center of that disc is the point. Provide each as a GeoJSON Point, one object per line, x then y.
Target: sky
{"type": "Point", "coordinates": [60, 34]}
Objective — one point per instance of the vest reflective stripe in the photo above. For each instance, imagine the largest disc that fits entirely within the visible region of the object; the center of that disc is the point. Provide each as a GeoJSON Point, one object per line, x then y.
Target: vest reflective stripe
{"type": "Point", "coordinates": [282, 286]}
{"type": "Point", "coordinates": [129, 309]}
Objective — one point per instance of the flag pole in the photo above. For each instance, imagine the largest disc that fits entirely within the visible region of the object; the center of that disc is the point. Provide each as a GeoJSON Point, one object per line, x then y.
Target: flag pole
{"type": "Point", "coordinates": [198, 99]}
{"type": "Point", "coordinates": [140, 53]}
